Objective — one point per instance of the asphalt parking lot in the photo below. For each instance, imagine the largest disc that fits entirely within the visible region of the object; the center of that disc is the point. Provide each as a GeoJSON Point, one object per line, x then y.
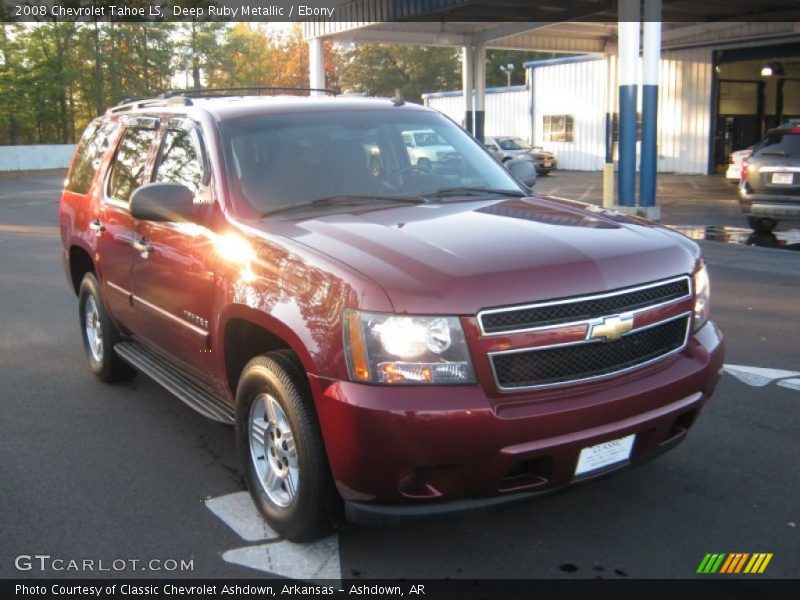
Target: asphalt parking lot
{"type": "Point", "coordinates": [127, 472]}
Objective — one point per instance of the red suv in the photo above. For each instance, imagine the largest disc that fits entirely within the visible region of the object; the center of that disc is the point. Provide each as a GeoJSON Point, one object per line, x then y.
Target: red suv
{"type": "Point", "coordinates": [389, 342]}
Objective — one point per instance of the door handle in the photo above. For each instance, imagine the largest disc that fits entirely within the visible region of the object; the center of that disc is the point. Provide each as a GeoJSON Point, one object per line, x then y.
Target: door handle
{"type": "Point", "coordinates": [97, 227]}
{"type": "Point", "coordinates": [143, 247]}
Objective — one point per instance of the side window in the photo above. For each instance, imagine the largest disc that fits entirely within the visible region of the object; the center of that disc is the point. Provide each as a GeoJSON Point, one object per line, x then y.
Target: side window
{"type": "Point", "coordinates": [180, 161]}
{"type": "Point", "coordinates": [128, 171]}
{"type": "Point", "coordinates": [92, 148]}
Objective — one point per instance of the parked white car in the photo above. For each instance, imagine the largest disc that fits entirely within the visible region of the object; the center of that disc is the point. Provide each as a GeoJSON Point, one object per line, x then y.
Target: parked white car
{"type": "Point", "coordinates": [735, 160]}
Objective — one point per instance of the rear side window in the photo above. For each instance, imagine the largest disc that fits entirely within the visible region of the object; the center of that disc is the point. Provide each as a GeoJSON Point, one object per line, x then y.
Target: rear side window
{"type": "Point", "coordinates": [127, 174]}
{"type": "Point", "coordinates": [92, 148]}
{"type": "Point", "coordinates": [181, 161]}
{"type": "Point", "coordinates": [782, 144]}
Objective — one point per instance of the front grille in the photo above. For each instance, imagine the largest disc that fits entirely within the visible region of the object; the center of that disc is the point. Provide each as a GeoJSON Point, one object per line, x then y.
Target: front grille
{"type": "Point", "coordinates": [582, 309]}
{"type": "Point", "coordinates": [550, 366]}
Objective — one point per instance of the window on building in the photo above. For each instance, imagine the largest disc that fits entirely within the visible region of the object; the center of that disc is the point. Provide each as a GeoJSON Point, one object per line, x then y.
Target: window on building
{"type": "Point", "coordinates": [559, 128]}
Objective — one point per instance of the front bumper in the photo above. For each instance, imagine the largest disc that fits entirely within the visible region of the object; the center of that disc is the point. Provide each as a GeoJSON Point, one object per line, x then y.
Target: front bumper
{"type": "Point", "coordinates": [773, 206]}
{"type": "Point", "coordinates": [545, 164]}
{"type": "Point", "coordinates": [444, 449]}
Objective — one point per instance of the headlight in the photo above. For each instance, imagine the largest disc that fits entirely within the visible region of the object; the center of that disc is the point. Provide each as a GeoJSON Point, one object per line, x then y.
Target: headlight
{"type": "Point", "coordinates": [702, 296]}
{"type": "Point", "coordinates": [389, 348]}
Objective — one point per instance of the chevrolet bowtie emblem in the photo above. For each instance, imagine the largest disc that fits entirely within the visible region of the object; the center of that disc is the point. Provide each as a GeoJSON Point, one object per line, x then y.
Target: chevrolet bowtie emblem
{"type": "Point", "coordinates": [610, 328]}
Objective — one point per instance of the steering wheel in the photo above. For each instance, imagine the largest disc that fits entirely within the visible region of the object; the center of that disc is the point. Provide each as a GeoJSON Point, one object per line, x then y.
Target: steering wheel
{"type": "Point", "coordinates": [410, 169]}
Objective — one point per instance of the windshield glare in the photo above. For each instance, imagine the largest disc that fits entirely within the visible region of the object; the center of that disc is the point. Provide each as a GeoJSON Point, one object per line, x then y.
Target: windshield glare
{"type": "Point", "coordinates": [276, 162]}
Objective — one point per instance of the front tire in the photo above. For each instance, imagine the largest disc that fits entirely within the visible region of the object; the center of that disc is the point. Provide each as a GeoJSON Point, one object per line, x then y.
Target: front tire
{"type": "Point", "coordinates": [281, 448]}
{"type": "Point", "coordinates": [99, 334]}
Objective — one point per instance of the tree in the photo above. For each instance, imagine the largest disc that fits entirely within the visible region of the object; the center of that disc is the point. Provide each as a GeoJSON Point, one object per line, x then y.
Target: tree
{"type": "Point", "coordinates": [201, 50]}
{"type": "Point", "coordinates": [495, 77]}
{"type": "Point", "coordinates": [246, 58]}
{"type": "Point", "coordinates": [380, 69]}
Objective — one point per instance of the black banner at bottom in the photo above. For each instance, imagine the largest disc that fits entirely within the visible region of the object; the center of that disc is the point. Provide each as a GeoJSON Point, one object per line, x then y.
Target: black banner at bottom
{"type": "Point", "coordinates": [462, 589]}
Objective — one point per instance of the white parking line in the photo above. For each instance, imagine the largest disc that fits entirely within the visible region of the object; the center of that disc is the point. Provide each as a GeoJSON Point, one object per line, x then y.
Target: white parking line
{"type": "Point", "coordinates": [792, 384]}
{"type": "Point", "coordinates": [315, 560]}
{"type": "Point", "coordinates": [586, 193]}
{"type": "Point", "coordinates": [757, 376]}
{"type": "Point", "coordinates": [239, 513]}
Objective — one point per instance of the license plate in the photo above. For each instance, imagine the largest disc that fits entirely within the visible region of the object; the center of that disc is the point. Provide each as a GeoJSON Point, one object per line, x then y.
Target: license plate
{"type": "Point", "coordinates": [547, 164]}
{"type": "Point", "coordinates": [605, 454]}
{"type": "Point", "coordinates": [784, 178]}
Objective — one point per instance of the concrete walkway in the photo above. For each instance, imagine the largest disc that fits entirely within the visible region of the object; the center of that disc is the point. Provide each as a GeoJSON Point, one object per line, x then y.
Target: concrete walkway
{"type": "Point", "coordinates": [698, 200]}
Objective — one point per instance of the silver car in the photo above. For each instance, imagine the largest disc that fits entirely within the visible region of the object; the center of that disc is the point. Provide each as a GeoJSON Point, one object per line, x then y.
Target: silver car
{"type": "Point", "coordinates": [506, 147]}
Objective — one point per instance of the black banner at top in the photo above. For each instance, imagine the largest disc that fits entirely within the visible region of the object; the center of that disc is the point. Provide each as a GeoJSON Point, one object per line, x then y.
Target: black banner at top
{"type": "Point", "coordinates": [360, 11]}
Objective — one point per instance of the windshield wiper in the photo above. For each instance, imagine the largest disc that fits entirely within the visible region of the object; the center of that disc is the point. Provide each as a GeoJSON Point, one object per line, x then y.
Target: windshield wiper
{"type": "Point", "coordinates": [773, 153]}
{"type": "Point", "coordinates": [345, 199]}
{"type": "Point", "coordinates": [460, 190]}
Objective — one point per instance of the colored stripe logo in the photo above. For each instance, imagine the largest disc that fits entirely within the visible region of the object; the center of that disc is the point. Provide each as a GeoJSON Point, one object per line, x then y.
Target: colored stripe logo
{"type": "Point", "coordinates": [733, 563]}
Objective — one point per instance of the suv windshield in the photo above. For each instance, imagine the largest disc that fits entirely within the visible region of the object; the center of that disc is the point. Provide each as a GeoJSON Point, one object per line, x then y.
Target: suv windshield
{"type": "Point", "coordinates": [280, 161]}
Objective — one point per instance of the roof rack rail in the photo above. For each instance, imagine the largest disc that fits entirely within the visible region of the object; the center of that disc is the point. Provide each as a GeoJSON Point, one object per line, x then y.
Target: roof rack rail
{"type": "Point", "coordinates": [160, 100]}
{"type": "Point", "coordinates": [237, 91]}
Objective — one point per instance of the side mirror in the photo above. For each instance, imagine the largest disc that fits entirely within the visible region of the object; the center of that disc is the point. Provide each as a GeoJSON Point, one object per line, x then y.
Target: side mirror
{"type": "Point", "coordinates": [523, 169]}
{"type": "Point", "coordinates": [162, 201]}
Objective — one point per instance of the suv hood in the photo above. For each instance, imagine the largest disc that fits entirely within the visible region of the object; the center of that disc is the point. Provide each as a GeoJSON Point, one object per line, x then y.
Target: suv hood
{"type": "Point", "coordinates": [460, 257]}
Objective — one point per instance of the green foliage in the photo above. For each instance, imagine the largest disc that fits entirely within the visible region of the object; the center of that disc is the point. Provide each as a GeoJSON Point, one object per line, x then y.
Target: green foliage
{"type": "Point", "coordinates": [56, 76]}
{"type": "Point", "coordinates": [380, 69]}
{"type": "Point", "coordinates": [495, 77]}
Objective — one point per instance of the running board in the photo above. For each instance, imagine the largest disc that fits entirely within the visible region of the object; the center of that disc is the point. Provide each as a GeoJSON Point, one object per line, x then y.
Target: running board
{"type": "Point", "coordinates": [175, 382]}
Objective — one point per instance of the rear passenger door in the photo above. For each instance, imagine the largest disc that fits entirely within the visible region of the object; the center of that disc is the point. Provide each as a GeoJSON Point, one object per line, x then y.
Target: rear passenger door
{"type": "Point", "coordinates": [114, 225]}
{"type": "Point", "coordinates": [172, 290]}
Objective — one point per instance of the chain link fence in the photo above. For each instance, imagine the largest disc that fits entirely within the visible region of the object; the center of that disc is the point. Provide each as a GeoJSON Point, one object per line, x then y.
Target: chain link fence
{"type": "Point", "coordinates": [35, 158]}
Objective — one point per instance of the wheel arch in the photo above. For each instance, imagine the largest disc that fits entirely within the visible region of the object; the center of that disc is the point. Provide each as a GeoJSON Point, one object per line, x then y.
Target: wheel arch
{"type": "Point", "coordinates": [246, 333]}
{"type": "Point", "coordinates": [80, 263]}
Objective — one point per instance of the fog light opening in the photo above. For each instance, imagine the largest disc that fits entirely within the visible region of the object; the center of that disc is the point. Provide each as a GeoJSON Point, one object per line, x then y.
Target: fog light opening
{"type": "Point", "coordinates": [526, 474]}
{"type": "Point", "coordinates": [680, 426]}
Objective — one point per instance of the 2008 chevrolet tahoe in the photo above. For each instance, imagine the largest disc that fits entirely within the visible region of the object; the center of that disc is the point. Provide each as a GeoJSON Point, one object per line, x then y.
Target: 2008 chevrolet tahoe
{"type": "Point", "coordinates": [391, 342]}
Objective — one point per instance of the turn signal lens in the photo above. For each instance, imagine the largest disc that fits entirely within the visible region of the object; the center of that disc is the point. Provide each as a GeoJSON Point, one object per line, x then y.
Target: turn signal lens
{"type": "Point", "coordinates": [702, 297]}
{"type": "Point", "coordinates": [355, 344]}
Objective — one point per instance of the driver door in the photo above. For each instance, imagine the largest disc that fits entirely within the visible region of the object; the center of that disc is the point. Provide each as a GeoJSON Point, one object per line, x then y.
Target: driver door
{"type": "Point", "coordinates": [172, 291]}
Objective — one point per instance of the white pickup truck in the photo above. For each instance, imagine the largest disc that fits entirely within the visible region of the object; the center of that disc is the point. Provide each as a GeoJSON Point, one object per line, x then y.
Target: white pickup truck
{"type": "Point", "coordinates": [428, 151]}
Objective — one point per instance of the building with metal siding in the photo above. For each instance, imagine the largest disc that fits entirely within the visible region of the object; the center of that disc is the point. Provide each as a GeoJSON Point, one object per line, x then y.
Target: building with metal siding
{"type": "Point", "coordinates": [690, 49]}
{"type": "Point", "coordinates": [577, 90]}
{"type": "Point", "coordinates": [585, 88]}
{"type": "Point", "coordinates": [507, 109]}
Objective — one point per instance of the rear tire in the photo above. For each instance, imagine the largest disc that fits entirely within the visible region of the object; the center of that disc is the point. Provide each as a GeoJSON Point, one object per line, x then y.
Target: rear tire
{"type": "Point", "coordinates": [762, 224]}
{"type": "Point", "coordinates": [99, 334]}
{"type": "Point", "coordinates": [280, 445]}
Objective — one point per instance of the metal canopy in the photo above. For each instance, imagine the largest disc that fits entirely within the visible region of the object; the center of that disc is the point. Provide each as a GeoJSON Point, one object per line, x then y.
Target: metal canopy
{"type": "Point", "coordinates": [575, 26]}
